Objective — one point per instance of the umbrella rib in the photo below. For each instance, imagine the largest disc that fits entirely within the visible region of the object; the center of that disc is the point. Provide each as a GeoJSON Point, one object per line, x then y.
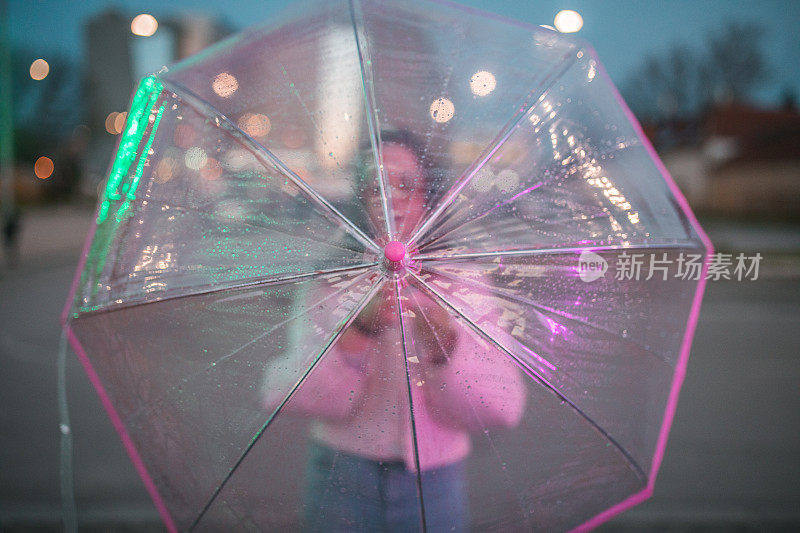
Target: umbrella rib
{"type": "Point", "coordinates": [482, 215]}
{"type": "Point", "coordinates": [509, 224]}
{"type": "Point", "coordinates": [539, 378]}
{"type": "Point", "coordinates": [538, 184]}
{"type": "Point", "coordinates": [185, 209]}
{"type": "Point", "coordinates": [346, 321]}
{"type": "Point", "coordinates": [374, 136]}
{"type": "Point", "coordinates": [428, 321]}
{"type": "Point", "coordinates": [468, 399]}
{"type": "Point", "coordinates": [410, 403]}
{"type": "Point", "coordinates": [267, 156]}
{"type": "Point", "coordinates": [498, 141]}
{"type": "Point", "coordinates": [543, 308]}
{"type": "Point", "coordinates": [252, 283]}
{"type": "Point", "coordinates": [475, 413]}
{"type": "Point", "coordinates": [447, 74]}
{"type": "Point", "coordinates": [184, 381]}
{"type": "Point", "coordinates": [552, 251]}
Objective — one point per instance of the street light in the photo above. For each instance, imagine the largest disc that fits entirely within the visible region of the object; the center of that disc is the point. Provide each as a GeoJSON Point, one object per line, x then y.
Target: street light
{"type": "Point", "coordinates": [568, 21]}
{"type": "Point", "coordinates": [144, 25]}
{"type": "Point", "coordinates": [39, 69]}
{"type": "Point", "coordinates": [43, 168]}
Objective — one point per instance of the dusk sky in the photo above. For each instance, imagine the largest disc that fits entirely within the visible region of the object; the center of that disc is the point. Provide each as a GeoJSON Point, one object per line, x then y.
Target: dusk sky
{"type": "Point", "coordinates": [624, 32]}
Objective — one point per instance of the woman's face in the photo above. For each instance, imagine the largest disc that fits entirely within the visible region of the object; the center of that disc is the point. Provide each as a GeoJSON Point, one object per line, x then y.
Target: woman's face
{"type": "Point", "coordinates": [404, 176]}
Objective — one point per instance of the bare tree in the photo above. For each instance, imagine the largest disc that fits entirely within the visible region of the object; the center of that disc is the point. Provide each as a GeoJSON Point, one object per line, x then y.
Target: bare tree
{"type": "Point", "coordinates": [667, 86]}
{"type": "Point", "coordinates": [735, 64]}
{"type": "Point", "coordinates": [680, 83]}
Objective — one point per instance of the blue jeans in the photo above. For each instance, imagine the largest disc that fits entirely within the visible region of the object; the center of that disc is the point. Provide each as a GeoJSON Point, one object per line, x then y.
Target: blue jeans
{"type": "Point", "coordinates": [350, 493]}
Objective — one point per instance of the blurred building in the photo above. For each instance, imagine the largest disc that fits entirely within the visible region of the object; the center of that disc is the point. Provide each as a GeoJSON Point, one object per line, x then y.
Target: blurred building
{"type": "Point", "coordinates": [116, 59]}
{"type": "Point", "coordinates": [746, 161]}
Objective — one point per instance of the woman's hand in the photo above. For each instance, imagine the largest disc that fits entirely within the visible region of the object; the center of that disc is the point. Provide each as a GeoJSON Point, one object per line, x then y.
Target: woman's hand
{"type": "Point", "coordinates": [377, 315]}
{"type": "Point", "coordinates": [436, 331]}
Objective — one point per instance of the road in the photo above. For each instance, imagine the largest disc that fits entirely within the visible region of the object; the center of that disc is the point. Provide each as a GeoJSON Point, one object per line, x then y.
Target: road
{"type": "Point", "coordinates": [732, 461]}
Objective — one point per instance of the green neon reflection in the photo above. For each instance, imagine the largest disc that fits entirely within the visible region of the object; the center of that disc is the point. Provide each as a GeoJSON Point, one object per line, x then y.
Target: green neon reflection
{"type": "Point", "coordinates": [141, 117]}
{"type": "Point", "coordinates": [141, 105]}
{"type": "Point", "coordinates": [102, 213]}
{"type": "Point", "coordinates": [142, 158]}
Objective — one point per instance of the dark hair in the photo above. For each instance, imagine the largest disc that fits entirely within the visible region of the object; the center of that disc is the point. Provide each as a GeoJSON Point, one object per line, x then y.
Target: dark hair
{"type": "Point", "coordinates": [407, 139]}
{"type": "Point", "coordinates": [413, 142]}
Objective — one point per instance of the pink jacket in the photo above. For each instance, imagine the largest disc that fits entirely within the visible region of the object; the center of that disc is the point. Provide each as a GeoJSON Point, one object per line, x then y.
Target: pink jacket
{"type": "Point", "coordinates": [357, 396]}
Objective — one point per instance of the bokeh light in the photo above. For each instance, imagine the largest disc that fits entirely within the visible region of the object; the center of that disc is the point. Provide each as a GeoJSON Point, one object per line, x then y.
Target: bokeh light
{"type": "Point", "coordinates": [482, 83]}
{"type": "Point", "coordinates": [507, 180]}
{"type": "Point", "coordinates": [111, 123]}
{"type": "Point", "coordinates": [144, 25]}
{"type": "Point", "coordinates": [43, 168]}
{"type": "Point", "coordinates": [482, 181]}
{"type": "Point", "coordinates": [211, 170]}
{"type": "Point", "coordinates": [255, 125]}
{"type": "Point", "coordinates": [568, 21]}
{"type": "Point", "coordinates": [442, 110]}
{"type": "Point", "coordinates": [165, 169]}
{"type": "Point", "coordinates": [225, 84]}
{"type": "Point", "coordinates": [119, 121]}
{"type": "Point", "coordinates": [40, 69]}
{"type": "Point", "coordinates": [195, 158]}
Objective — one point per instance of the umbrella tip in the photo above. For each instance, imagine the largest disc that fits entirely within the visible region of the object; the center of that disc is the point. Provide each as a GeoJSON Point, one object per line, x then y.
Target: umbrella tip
{"type": "Point", "coordinates": [394, 252]}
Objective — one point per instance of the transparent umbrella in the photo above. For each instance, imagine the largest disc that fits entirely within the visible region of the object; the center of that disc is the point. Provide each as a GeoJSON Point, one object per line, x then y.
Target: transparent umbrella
{"type": "Point", "coordinates": [389, 266]}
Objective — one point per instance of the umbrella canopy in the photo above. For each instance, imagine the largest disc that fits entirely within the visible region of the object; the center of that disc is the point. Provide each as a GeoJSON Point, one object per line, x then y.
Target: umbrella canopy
{"type": "Point", "coordinates": [388, 265]}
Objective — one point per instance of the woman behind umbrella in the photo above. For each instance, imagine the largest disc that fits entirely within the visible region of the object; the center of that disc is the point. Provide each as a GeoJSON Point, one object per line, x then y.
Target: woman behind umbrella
{"type": "Point", "coordinates": [365, 448]}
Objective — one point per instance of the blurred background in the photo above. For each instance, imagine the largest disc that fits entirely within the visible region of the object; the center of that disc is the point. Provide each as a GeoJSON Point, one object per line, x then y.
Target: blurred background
{"type": "Point", "coordinates": [715, 85]}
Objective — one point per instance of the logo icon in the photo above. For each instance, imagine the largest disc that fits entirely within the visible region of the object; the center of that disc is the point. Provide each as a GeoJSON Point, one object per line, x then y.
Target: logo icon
{"type": "Point", "coordinates": [591, 266]}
